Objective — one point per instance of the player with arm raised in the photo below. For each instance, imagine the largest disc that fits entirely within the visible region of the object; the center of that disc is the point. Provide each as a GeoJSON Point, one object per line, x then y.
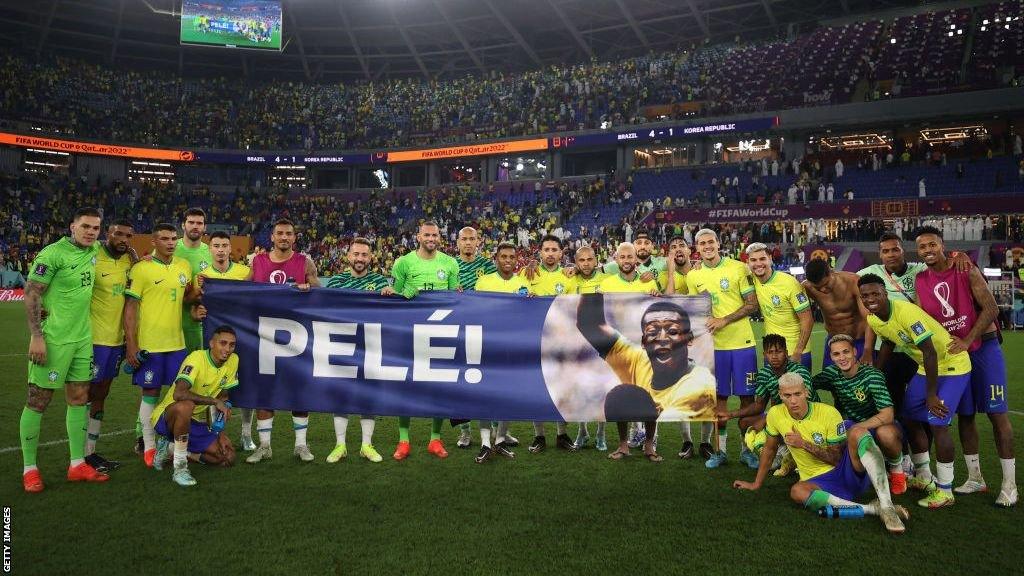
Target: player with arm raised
{"type": "Point", "coordinates": [203, 381]}
{"type": "Point", "coordinates": [549, 279]}
{"type": "Point", "coordinates": [113, 261]}
{"type": "Point", "coordinates": [935, 390]}
{"type": "Point", "coordinates": [157, 290]}
{"type": "Point", "coordinates": [505, 281]}
{"type": "Point", "coordinates": [60, 348]}
{"type": "Point", "coordinates": [358, 277]}
{"type": "Point", "coordinates": [586, 280]}
{"type": "Point", "coordinates": [836, 465]}
{"type": "Point", "coordinates": [472, 266]}
{"type": "Point", "coordinates": [283, 264]}
{"type": "Point", "coordinates": [733, 300]}
{"type": "Point", "coordinates": [191, 248]}
{"type": "Point", "coordinates": [425, 269]}
{"type": "Point", "coordinates": [963, 304]}
{"type": "Point", "coordinates": [784, 305]}
{"type": "Point", "coordinates": [860, 395]}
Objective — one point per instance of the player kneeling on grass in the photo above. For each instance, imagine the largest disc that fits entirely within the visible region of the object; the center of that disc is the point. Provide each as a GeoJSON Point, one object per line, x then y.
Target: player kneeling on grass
{"type": "Point", "coordinates": [203, 380]}
{"type": "Point", "coordinates": [835, 466]}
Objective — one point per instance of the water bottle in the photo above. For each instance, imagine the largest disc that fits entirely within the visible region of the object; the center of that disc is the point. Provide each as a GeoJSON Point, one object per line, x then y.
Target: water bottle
{"type": "Point", "coordinates": [142, 356]}
{"type": "Point", "coordinates": [834, 512]}
{"type": "Point", "coordinates": [218, 421]}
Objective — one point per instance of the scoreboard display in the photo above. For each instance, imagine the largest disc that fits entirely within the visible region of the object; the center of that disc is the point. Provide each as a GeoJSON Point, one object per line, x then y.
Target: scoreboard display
{"type": "Point", "coordinates": [662, 133]}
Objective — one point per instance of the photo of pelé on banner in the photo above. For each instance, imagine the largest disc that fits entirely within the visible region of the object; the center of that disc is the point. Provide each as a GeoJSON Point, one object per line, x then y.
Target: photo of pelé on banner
{"type": "Point", "coordinates": [629, 357]}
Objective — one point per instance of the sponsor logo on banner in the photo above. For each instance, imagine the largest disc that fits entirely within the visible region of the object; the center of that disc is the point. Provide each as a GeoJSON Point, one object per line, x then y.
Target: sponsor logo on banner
{"type": "Point", "coordinates": [748, 212]}
{"type": "Point", "coordinates": [12, 295]}
{"type": "Point", "coordinates": [822, 97]}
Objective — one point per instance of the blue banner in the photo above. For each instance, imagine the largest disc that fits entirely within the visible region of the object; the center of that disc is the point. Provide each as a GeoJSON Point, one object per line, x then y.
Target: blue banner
{"type": "Point", "coordinates": [467, 355]}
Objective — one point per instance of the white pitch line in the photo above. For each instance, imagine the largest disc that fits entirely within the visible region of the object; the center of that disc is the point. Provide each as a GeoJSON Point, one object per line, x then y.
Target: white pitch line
{"type": "Point", "coordinates": [65, 441]}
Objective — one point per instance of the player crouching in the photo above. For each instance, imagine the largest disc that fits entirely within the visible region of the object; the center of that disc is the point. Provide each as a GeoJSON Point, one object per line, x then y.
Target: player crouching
{"type": "Point", "coordinates": [203, 380]}
{"type": "Point", "coordinates": [835, 467]}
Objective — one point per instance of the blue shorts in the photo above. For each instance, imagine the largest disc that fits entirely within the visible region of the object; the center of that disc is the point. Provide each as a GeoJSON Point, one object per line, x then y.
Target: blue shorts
{"type": "Point", "coordinates": [858, 345]}
{"type": "Point", "coordinates": [951, 390]}
{"type": "Point", "coordinates": [735, 370]}
{"type": "Point", "coordinates": [843, 481]}
{"type": "Point", "coordinates": [200, 437]}
{"type": "Point", "coordinates": [987, 391]}
{"type": "Point", "coordinates": [106, 362]}
{"type": "Point", "coordinates": [159, 369]}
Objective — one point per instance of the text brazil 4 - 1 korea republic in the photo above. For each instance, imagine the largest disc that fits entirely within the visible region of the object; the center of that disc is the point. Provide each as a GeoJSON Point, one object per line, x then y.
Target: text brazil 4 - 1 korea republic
{"type": "Point", "coordinates": [469, 355]}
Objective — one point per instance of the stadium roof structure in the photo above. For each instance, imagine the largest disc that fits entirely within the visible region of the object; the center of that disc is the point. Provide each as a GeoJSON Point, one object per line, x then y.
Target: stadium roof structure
{"type": "Point", "coordinates": [337, 40]}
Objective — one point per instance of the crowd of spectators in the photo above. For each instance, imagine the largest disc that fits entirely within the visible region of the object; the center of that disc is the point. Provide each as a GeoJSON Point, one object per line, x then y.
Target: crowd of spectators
{"type": "Point", "coordinates": [823, 66]}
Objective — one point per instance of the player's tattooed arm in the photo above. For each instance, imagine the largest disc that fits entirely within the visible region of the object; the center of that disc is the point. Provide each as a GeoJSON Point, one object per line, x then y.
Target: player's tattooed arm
{"type": "Point", "coordinates": [748, 308]}
{"type": "Point", "coordinates": [829, 454]}
{"type": "Point", "coordinates": [987, 314]}
{"type": "Point", "coordinates": [591, 323]}
{"type": "Point", "coordinates": [183, 391]}
{"type": "Point", "coordinates": [312, 279]}
{"type": "Point", "coordinates": [34, 306]}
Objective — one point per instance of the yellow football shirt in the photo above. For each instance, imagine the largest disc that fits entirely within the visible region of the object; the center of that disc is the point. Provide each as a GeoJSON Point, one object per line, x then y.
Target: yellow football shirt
{"type": "Point", "coordinates": [548, 282]}
{"type": "Point", "coordinates": [680, 285]}
{"type": "Point", "coordinates": [234, 272]}
{"type": "Point", "coordinates": [204, 378]}
{"type": "Point", "coordinates": [909, 326]}
{"type": "Point", "coordinates": [822, 425]}
{"type": "Point", "coordinates": [727, 284]}
{"type": "Point", "coordinates": [493, 282]}
{"type": "Point", "coordinates": [616, 283]}
{"type": "Point", "coordinates": [160, 289]}
{"type": "Point", "coordinates": [692, 397]}
{"type": "Point", "coordinates": [107, 304]}
{"type": "Point", "coordinates": [781, 297]}
{"type": "Point", "coordinates": [581, 285]}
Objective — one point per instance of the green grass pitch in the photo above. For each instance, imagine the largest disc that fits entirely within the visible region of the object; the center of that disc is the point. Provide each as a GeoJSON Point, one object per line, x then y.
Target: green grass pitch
{"type": "Point", "coordinates": [539, 514]}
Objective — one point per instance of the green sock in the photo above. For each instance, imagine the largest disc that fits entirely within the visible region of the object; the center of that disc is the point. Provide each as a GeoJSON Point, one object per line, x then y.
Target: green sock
{"type": "Point", "coordinates": [817, 500]}
{"type": "Point", "coordinates": [464, 426]}
{"type": "Point", "coordinates": [865, 444]}
{"type": "Point", "coordinates": [138, 426]}
{"type": "Point", "coordinates": [403, 428]}
{"type": "Point", "coordinates": [435, 429]}
{"type": "Point", "coordinates": [75, 419]}
{"type": "Point", "coordinates": [30, 423]}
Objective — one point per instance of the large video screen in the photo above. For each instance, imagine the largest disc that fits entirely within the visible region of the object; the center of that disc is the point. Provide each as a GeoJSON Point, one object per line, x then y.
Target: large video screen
{"type": "Point", "coordinates": [232, 23]}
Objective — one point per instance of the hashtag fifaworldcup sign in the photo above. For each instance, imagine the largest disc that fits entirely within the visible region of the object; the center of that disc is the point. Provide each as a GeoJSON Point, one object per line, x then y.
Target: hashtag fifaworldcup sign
{"type": "Point", "coordinates": [468, 356]}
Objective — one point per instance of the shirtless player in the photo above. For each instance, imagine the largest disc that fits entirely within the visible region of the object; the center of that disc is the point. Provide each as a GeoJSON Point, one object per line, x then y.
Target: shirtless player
{"type": "Point", "coordinates": [837, 295]}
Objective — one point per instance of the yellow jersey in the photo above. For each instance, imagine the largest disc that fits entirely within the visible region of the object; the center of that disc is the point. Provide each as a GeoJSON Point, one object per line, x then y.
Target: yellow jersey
{"type": "Point", "coordinates": [549, 282]}
{"type": "Point", "coordinates": [581, 285]}
{"type": "Point", "coordinates": [680, 282]}
{"type": "Point", "coordinates": [909, 326]}
{"type": "Point", "coordinates": [160, 289]}
{"type": "Point", "coordinates": [616, 283]}
{"type": "Point", "coordinates": [822, 425]}
{"type": "Point", "coordinates": [234, 272]}
{"type": "Point", "coordinates": [781, 297]}
{"type": "Point", "coordinates": [204, 378]}
{"type": "Point", "coordinates": [727, 284]}
{"type": "Point", "coordinates": [692, 397]}
{"type": "Point", "coordinates": [493, 282]}
{"type": "Point", "coordinates": [107, 307]}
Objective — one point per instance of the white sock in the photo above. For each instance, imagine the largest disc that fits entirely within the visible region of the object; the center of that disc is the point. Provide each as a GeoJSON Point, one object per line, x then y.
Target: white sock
{"type": "Point", "coordinates": [247, 414]}
{"type": "Point", "coordinates": [92, 434]}
{"type": "Point", "coordinates": [485, 434]}
{"type": "Point", "coordinates": [583, 432]}
{"type": "Point", "coordinates": [264, 428]}
{"type": "Point", "coordinates": [502, 433]}
{"type": "Point", "coordinates": [340, 427]}
{"type": "Point", "coordinates": [146, 417]}
{"type": "Point", "coordinates": [366, 424]}
{"type": "Point", "coordinates": [944, 476]}
{"type": "Point", "coordinates": [874, 464]}
{"type": "Point", "coordinates": [181, 451]}
{"type": "Point", "coordinates": [561, 428]}
{"type": "Point", "coordinates": [1009, 466]}
{"type": "Point", "coordinates": [834, 500]}
{"type": "Point", "coordinates": [973, 467]}
{"type": "Point", "coordinates": [29, 468]}
{"type": "Point", "coordinates": [706, 428]}
{"type": "Point", "coordinates": [538, 428]}
{"type": "Point", "coordinates": [300, 425]}
{"type": "Point", "coordinates": [684, 429]}
{"type": "Point", "coordinates": [600, 429]}
{"type": "Point", "coordinates": [922, 466]}
{"type": "Point", "coordinates": [722, 436]}
{"type": "Point", "coordinates": [77, 461]}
